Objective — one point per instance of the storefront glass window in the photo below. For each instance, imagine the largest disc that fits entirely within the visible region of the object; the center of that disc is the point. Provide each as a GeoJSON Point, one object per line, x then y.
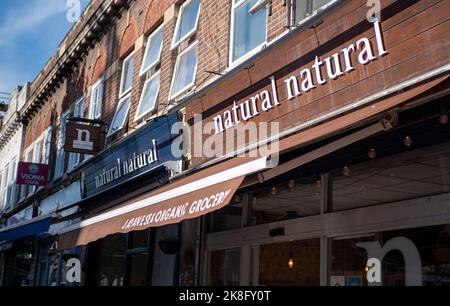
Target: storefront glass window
{"type": "Point", "coordinates": [111, 261]}
{"type": "Point", "coordinates": [290, 263]}
{"type": "Point", "coordinates": [348, 262]}
{"type": "Point", "coordinates": [23, 267]}
{"type": "Point", "coordinates": [139, 239]}
{"type": "Point", "coordinates": [249, 30]}
{"type": "Point", "coordinates": [419, 256]}
{"type": "Point", "coordinates": [289, 200]}
{"type": "Point", "coordinates": [227, 218]}
{"type": "Point", "coordinates": [138, 269]}
{"type": "Point", "coordinates": [304, 9]}
{"type": "Point", "coordinates": [406, 176]}
{"type": "Point", "coordinates": [65, 256]}
{"type": "Point", "coordinates": [53, 267]}
{"type": "Point", "coordinates": [165, 255]}
{"type": "Point", "coordinates": [225, 267]}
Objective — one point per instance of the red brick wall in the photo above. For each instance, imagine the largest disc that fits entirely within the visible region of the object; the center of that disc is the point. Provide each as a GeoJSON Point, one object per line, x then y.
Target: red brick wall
{"type": "Point", "coordinates": [105, 58]}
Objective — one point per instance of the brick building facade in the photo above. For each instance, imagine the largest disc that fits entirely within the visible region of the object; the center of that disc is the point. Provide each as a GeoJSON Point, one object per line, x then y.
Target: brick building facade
{"type": "Point", "coordinates": [132, 66]}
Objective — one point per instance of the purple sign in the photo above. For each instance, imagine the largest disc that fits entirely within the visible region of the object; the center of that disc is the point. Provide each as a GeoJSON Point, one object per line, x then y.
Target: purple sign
{"type": "Point", "coordinates": [32, 174]}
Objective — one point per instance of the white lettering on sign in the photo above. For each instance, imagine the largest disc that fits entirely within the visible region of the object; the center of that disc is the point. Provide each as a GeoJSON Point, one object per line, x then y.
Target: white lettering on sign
{"type": "Point", "coordinates": [373, 274]}
{"type": "Point", "coordinates": [83, 141]}
{"type": "Point", "coordinates": [32, 178]}
{"type": "Point", "coordinates": [411, 257]}
{"type": "Point", "coordinates": [121, 168]}
{"type": "Point", "coordinates": [307, 80]}
{"type": "Point", "coordinates": [175, 213]}
{"type": "Point", "coordinates": [73, 274]}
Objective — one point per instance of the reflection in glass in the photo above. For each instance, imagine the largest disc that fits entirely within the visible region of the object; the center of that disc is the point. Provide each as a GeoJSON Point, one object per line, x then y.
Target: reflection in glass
{"type": "Point", "coordinates": [121, 114]}
{"type": "Point", "coordinates": [149, 96]}
{"type": "Point", "coordinates": [138, 269]}
{"type": "Point", "coordinates": [288, 200]}
{"type": "Point", "coordinates": [225, 267]}
{"type": "Point", "coordinates": [274, 266]}
{"type": "Point", "coordinates": [409, 175]}
{"type": "Point", "coordinates": [249, 29]}
{"type": "Point", "coordinates": [187, 20]}
{"type": "Point", "coordinates": [165, 255]}
{"type": "Point", "coordinates": [185, 70]}
{"type": "Point", "coordinates": [111, 261]}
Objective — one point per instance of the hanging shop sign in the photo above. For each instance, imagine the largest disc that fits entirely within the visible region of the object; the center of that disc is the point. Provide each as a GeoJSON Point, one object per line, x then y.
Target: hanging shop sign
{"type": "Point", "coordinates": [138, 154]}
{"type": "Point", "coordinates": [32, 174]}
{"type": "Point", "coordinates": [83, 138]}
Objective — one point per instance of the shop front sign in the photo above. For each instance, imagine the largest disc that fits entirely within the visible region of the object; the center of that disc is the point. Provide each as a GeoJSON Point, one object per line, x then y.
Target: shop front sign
{"type": "Point", "coordinates": [32, 174]}
{"type": "Point", "coordinates": [336, 65]}
{"type": "Point", "coordinates": [83, 138]}
{"type": "Point", "coordinates": [138, 154]}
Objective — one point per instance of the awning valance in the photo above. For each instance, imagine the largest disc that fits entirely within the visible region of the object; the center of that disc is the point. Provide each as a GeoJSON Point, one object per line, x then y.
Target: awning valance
{"type": "Point", "coordinates": [29, 228]}
{"type": "Point", "coordinates": [189, 197]}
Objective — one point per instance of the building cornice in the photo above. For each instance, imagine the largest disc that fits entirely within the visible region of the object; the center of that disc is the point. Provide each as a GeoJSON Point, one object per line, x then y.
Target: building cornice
{"type": "Point", "coordinates": [9, 129]}
{"type": "Point", "coordinates": [68, 57]}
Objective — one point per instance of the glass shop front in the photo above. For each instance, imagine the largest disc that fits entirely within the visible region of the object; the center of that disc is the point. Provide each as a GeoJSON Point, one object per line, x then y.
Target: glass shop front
{"type": "Point", "coordinates": [384, 197]}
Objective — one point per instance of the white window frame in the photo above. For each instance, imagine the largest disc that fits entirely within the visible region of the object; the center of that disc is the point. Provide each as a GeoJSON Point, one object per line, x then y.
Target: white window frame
{"type": "Point", "coordinates": [127, 59]}
{"type": "Point", "coordinates": [319, 9]}
{"type": "Point", "coordinates": [38, 155]}
{"type": "Point", "coordinates": [47, 145]}
{"type": "Point", "coordinates": [78, 112]}
{"type": "Point", "coordinates": [2, 206]}
{"type": "Point", "coordinates": [234, 63]}
{"type": "Point", "coordinates": [175, 71]}
{"type": "Point", "coordinates": [60, 154]}
{"type": "Point", "coordinates": [24, 189]}
{"type": "Point", "coordinates": [12, 182]}
{"type": "Point", "coordinates": [97, 86]}
{"type": "Point", "coordinates": [147, 82]}
{"type": "Point", "coordinates": [176, 43]}
{"type": "Point", "coordinates": [122, 100]}
{"type": "Point", "coordinates": [6, 185]}
{"type": "Point", "coordinates": [147, 50]}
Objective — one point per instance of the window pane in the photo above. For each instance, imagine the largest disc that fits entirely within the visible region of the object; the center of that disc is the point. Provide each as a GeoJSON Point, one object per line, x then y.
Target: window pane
{"type": "Point", "coordinates": [409, 175]}
{"type": "Point", "coordinates": [348, 262]}
{"type": "Point", "coordinates": [185, 70]}
{"type": "Point", "coordinates": [149, 96]}
{"type": "Point", "coordinates": [78, 112]}
{"type": "Point", "coordinates": [225, 267]}
{"type": "Point", "coordinates": [139, 239]}
{"type": "Point", "coordinates": [304, 8]}
{"type": "Point", "coordinates": [121, 114]}
{"type": "Point", "coordinates": [227, 218]}
{"type": "Point", "coordinates": [153, 51]}
{"type": "Point", "coordinates": [304, 255]}
{"type": "Point", "coordinates": [59, 168]}
{"type": "Point", "coordinates": [23, 268]}
{"type": "Point", "coordinates": [48, 143]}
{"type": "Point", "coordinates": [111, 261]}
{"type": "Point", "coordinates": [165, 255]}
{"type": "Point", "coordinates": [127, 74]}
{"type": "Point", "coordinates": [249, 29]}
{"type": "Point", "coordinates": [4, 199]}
{"type": "Point", "coordinates": [96, 100]}
{"type": "Point", "coordinates": [138, 269]}
{"type": "Point", "coordinates": [188, 20]}
{"type": "Point", "coordinates": [287, 200]}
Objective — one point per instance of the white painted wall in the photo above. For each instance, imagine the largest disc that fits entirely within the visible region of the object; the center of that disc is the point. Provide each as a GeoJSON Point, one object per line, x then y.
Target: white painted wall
{"type": "Point", "coordinates": [10, 153]}
{"type": "Point", "coordinates": [9, 158]}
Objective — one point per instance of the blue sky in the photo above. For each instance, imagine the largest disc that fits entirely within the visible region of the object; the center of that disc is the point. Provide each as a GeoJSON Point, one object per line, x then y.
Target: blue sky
{"type": "Point", "coordinates": [30, 32]}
